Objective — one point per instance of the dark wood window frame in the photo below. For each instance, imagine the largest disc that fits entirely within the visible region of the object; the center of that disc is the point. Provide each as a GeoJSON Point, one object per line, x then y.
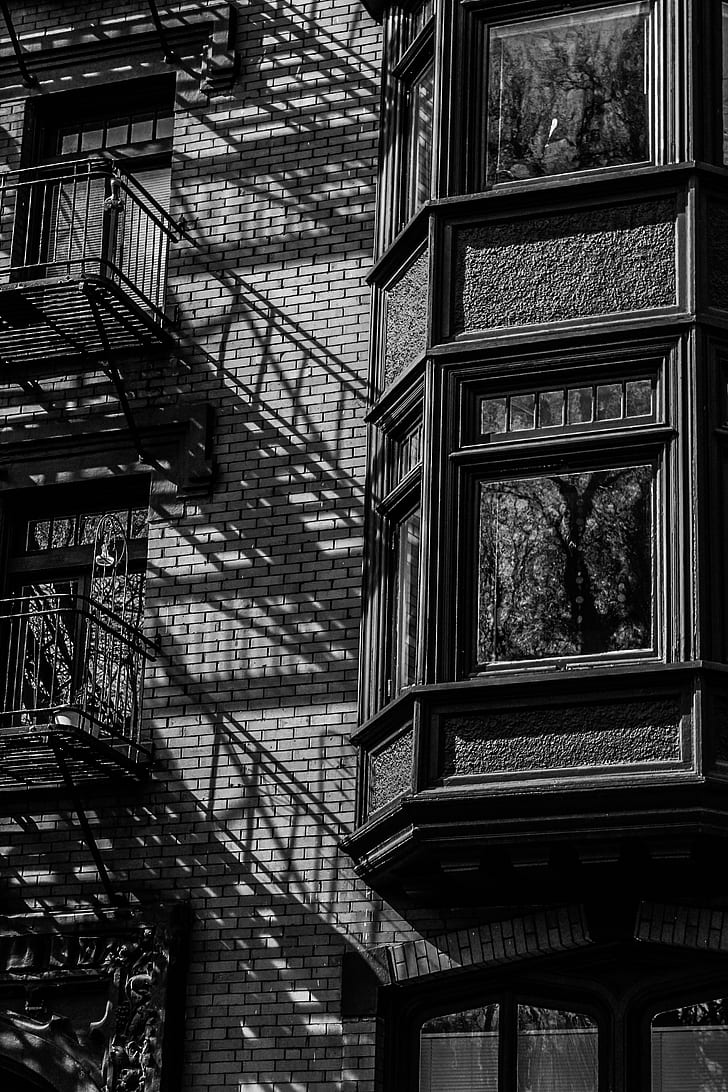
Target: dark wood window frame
{"type": "Point", "coordinates": [410, 57]}
{"type": "Point", "coordinates": [588, 447]}
{"type": "Point", "coordinates": [621, 987]}
{"type": "Point", "coordinates": [470, 86]}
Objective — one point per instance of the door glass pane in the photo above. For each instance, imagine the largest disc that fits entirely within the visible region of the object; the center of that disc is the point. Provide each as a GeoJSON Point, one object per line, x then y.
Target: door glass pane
{"type": "Point", "coordinates": [557, 1051]}
{"type": "Point", "coordinates": [567, 93]}
{"type": "Point", "coordinates": [565, 565]}
{"type": "Point", "coordinates": [459, 1052]}
{"type": "Point", "coordinates": [690, 1048]}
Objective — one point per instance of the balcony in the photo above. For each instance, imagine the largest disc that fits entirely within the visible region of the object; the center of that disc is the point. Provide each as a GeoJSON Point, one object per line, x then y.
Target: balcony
{"type": "Point", "coordinates": [70, 702]}
{"type": "Point", "coordinates": [83, 254]}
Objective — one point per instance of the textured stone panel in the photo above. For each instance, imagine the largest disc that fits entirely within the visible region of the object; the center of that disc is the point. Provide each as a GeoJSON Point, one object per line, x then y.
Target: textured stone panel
{"type": "Point", "coordinates": [566, 266]}
{"type": "Point", "coordinates": [390, 770]}
{"type": "Point", "coordinates": [717, 255]}
{"type": "Point", "coordinates": [406, 318]}
{"type": "Point", "coordinates": [562, 737]}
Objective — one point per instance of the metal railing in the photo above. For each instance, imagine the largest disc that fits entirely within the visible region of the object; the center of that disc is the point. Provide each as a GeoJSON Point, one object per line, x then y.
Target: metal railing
{"type": "Point", "coordinates": [82, 219]}
{"type": "Point", "coordinates": [70, 662]}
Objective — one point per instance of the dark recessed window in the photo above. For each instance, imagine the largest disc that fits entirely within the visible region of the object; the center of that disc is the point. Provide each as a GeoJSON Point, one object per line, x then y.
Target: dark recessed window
{"type": "Point", "coordinates": [483, 1049]}
{"type": "Point", "coordinates": [690, 1048]}
{"type": "Point", "coordinates": [568, 93]}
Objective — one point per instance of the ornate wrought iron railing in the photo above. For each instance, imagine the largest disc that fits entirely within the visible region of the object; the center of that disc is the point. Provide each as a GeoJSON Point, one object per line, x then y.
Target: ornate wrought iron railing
{"type": "Point", "coordinates": [73, 665]}
{"type": "Point", "coordinates": [85, 219]}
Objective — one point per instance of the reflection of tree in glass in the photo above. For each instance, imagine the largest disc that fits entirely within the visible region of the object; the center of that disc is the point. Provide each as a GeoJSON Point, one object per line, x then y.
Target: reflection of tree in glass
{"type": "Point", "coordinates": [567, 94]}
{"type": "Point", "coordinates": [484, 1018]}
{"type": "Point", "coordinates": [690, 1047]}
{"type": "Point", "coordinates": [556, 1050]}
{"type": "Point", "coordinates": [565, 565]}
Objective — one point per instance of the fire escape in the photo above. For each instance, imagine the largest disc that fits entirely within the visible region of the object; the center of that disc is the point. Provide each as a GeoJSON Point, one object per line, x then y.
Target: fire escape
{"type": "Point", "coordinates": [83, 253]}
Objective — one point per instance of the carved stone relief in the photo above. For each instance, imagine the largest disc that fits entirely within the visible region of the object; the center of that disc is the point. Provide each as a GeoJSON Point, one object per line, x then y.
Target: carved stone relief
{"type": "Point", "coordinates": [94, 1008]}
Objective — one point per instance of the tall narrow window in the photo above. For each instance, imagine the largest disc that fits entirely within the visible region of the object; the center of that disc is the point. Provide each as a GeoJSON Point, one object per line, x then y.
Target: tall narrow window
{"type": "Point", "coordinates": [414, 91]}
{"type": "Point", "coordinates": [460, 1051]}
{"type": "Point", "coordinates": [568, 93]}
{"type": "Point", "coordinates": [690, 1048]}
{"type": "Point", "coordinates": [401, 558]}
{"type": "Point", "coordinates": [557, 1050]}
{"type": "Point", "coordinates": [724, 77]}
{"type": "Point", "coordinates": [404, 613]}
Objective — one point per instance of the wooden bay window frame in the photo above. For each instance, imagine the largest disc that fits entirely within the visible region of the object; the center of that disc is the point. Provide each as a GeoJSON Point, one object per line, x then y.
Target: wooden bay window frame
{"type": "Point", "coordinates": [664, 72]}
{"type": "Point", "coordinates": [589, 457]}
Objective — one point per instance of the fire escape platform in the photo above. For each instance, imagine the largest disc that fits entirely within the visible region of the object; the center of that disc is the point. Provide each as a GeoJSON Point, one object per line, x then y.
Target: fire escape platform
{"type": "Point", "coordinates": [79, 317]}
{"type": "Point", "coordinates": [29, 758]}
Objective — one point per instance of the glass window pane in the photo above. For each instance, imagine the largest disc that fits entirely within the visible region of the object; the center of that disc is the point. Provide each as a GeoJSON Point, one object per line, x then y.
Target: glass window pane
{"type": "Point", "coordinates": [639, 398]}
{"type": "Point", "coordinates": [417, 163]}
{"type": "Point", "coordinates": [164, 127]}
{"type": "Point", "coordinates": [63, 531]}
{"type": "Point", "coordinates": [92, 139]}
{"type": "Point", "coordinates": [550, 409]}
{"type": "Point", "coordinates": [690, 1048]}
{"type": "Point", "coordinates": [565, 565]}
{"type": "Point", "coordinates": [580, 405]}
{"type": "Point", "coordinates": [567, 93]}
{"type": "Point", "coordinates": [405, 600]}
{"type": "Point", "coordinates": [142, 130]}
{"type": "Point", "coordinates": [493, 415]}
{"type": "Point", "coordinates": [39, 535]}
{"type": "Point", "coordinates": [69, 142]}
{"type": "Point", "coordinates": [420, 17]}
{"type": "Point", "coordinates": [139, 523]}
{"type": "Point", "coordinates": [460, 1052]}
{"type": "Point", "coordinates": [523, 412]}
{"type": "Point", "coordinates": [609, 402]}
{"type": "Point", "coordinates": [557, 1051]}
{"type": "Point", "coordinates": [117, 133]}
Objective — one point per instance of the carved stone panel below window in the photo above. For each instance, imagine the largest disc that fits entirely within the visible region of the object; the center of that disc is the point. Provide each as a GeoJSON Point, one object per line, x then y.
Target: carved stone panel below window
{"type": "Point", "coordinates": [406, 318]}
{"type": "Point", "coordinates": [552, 268]}
{"type": "Point", "coordinates": [390, 771]}
{"type": "Point", "coordinates": [562, 737]}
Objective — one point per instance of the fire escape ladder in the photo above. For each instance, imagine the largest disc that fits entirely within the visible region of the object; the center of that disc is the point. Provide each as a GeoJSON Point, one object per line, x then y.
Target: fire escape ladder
{"type": "Point", "coordinates": [25, 74]}
{"type": "Point", "coordinates": [116, 898]}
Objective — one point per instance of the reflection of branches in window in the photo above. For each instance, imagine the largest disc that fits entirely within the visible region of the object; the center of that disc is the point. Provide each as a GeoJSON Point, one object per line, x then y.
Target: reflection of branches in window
{"type": "Point", "coordinates": [565, 564]}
